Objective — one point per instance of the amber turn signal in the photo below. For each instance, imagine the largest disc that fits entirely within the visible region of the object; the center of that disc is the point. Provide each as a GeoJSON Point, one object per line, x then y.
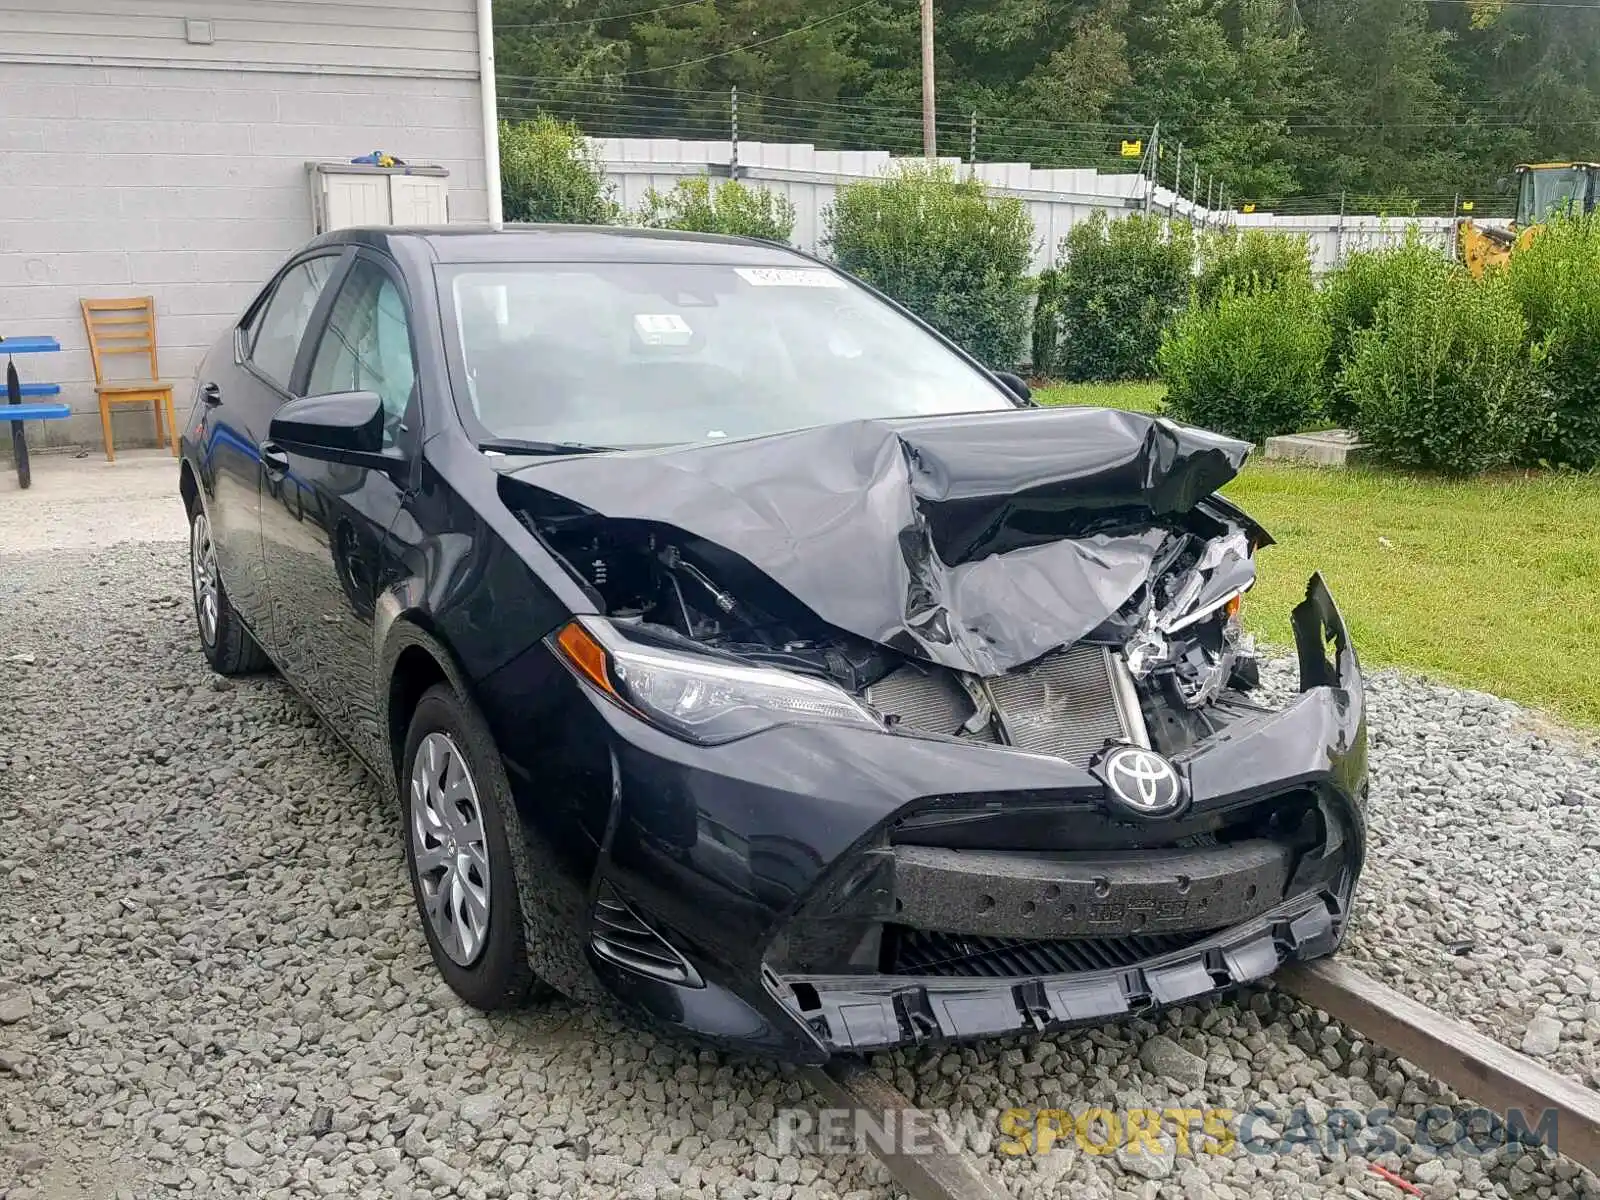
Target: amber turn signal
{"type": "Point", "coordinates": [587, 656]}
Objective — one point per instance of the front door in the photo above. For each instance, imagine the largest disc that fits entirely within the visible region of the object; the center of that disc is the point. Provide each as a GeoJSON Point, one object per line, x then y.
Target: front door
{"type": "Point", "coordinates": [324, 523]}
{"type": "Point", "coordinates": [240, 394]}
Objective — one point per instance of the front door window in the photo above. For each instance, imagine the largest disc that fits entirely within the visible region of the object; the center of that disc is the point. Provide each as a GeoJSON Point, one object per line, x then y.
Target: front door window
{"type": "Point", "coordinates": [366, 346]}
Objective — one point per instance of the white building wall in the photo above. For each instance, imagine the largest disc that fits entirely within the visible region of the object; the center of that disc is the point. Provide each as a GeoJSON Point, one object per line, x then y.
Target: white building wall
{"type": "Point", "coordinates": [136, 162]}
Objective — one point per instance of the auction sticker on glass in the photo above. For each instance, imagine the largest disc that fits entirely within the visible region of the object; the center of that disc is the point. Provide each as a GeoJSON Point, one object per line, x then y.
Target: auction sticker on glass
{"type": "Point", "coordinates": [789, 277]}
{"type": "Point", "coordinates": [662, 329]}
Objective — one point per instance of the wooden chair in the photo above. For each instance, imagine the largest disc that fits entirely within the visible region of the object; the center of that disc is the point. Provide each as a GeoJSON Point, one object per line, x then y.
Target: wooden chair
{"type": "Point", "coordinates": [128, 326]}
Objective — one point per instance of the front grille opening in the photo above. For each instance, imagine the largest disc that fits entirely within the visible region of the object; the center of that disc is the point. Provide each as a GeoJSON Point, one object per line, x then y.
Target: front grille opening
{"type": "Point", "coordinates": [805, 995]}
{"type": "Point", "coordinates": [921, 952]}
{"type": "Point", "coordinates": [620, 935]}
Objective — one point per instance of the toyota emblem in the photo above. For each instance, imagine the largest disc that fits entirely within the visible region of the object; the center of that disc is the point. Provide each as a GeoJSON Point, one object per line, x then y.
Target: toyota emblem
{"type": "Point", "coordinates": [1142, 782]}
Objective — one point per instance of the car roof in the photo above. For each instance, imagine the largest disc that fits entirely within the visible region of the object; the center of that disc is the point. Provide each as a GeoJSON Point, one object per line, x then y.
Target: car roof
{"type": "Point", "coordinates": [571, 243]}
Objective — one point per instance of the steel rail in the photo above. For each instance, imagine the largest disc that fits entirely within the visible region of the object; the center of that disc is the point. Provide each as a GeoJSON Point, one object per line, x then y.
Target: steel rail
{"type": "Point", "coordinates": [1496, 1076]}
{"type": "Point", "coordinates": [937, 1173]}
{"type": "Point", "coordinates": [1477, 1066]}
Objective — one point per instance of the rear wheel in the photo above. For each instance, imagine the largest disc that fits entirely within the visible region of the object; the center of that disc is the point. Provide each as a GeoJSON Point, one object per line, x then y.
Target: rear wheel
{"type": "Point", "coordinates": [456, 805]}
{"type": "Point", "coordinates": [227, 644]}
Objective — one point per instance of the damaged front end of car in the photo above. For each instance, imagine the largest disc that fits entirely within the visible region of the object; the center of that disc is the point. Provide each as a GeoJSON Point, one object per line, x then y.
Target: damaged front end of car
{"type": "Point", "coordinates": [1056, 596]}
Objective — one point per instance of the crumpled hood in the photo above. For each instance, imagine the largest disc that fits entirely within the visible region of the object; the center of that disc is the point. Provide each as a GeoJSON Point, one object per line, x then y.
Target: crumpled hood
{"type": "Point", "coordinates": [979, 541]}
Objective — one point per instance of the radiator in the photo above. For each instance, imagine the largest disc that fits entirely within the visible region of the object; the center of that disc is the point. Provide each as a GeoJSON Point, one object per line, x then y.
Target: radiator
{"type": "Point", "coordinates": [1067, 704]}
{"type": "Point", "coordinates": [927, 699]}
{"type": "Point", "coordinates": [1064, 704]}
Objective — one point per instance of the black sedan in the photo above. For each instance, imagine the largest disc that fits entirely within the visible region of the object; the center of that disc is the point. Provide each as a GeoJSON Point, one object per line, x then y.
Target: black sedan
{"type": "Point", "coordinates": [737, 647]}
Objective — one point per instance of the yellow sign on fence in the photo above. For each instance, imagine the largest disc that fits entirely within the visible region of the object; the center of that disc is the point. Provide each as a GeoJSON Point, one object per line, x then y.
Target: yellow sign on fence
{"type": "Point", "coordinates": [1133, 149]}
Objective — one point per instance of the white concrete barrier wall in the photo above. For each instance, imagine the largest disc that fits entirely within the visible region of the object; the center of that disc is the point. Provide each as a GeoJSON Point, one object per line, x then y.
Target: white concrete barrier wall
{"type": "Point", "coordinates": [1057, 199]}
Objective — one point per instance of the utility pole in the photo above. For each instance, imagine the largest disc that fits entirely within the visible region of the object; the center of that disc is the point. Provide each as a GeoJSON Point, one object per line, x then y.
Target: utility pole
{"type": "Point", "coordinates": [1155, 160]}
{"type": "Point", "coordinates": [930, 143]}
{"type": "Point", "coordinates": [1177, 183]}
{"type": "Point", "coordinates": [1338, 241]}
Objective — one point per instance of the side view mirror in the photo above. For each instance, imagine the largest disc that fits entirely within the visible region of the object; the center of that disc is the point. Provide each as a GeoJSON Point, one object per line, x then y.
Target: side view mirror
{"type": "Point", "coordinates": [333, 424]}
{"type": "Point", "coordinates": [1016, 385]}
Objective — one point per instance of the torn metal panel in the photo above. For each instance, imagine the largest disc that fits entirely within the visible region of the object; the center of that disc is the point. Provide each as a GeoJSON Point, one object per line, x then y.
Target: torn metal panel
{"type": "Point", "coordinates": [979, 542]}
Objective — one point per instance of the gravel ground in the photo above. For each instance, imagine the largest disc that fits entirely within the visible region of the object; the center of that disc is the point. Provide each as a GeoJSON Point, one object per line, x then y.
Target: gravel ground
{"type": "Point", "coordinates": [212, 981]}
{"type": "Point", "coordinates": [1481, 894]}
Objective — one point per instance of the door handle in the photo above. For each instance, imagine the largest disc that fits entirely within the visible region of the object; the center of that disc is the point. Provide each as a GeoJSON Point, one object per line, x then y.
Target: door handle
{"type": "Point", "coordinates": [274, 459]}
{"type": "Point", "coordinates": [211, 394]}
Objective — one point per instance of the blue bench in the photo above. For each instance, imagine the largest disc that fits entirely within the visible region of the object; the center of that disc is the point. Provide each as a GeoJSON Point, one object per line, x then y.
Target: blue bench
{"type": "Point", "coordinates": [17, 412]}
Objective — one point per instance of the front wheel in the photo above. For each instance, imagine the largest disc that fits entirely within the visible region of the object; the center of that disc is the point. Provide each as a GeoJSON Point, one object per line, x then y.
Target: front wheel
{"type": "Point", "coordinates": [228, 645]}
{"type": "Point", "coordinates": [455, 800]}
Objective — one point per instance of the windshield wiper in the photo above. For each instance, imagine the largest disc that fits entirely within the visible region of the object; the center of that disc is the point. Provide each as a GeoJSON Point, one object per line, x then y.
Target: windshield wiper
{"type": "Point", "coordinates": [524, 446]}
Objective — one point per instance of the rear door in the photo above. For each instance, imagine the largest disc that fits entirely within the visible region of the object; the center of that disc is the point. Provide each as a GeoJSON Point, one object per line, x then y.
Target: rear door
{"type": "Point", "coordinates": [240, 396]}
{"type": "Point", "coordinates": [324, 524]}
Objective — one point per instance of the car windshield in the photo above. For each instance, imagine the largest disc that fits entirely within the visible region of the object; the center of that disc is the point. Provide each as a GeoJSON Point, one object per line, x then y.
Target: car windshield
{"type": "Point", "coordinates": [649, 354]}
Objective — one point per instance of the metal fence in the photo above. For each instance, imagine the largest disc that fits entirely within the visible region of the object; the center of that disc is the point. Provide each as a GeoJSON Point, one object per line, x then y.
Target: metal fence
{"type": "Point", "coordinates": [1057, 199]}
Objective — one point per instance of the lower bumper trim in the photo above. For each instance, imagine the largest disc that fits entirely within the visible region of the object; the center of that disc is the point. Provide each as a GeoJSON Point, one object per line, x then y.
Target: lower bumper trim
{"type": "Point", "coordinates": [874, 1012]}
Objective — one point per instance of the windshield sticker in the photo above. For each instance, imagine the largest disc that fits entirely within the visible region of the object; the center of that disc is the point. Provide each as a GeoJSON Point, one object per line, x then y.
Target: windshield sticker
{"type": "Point", "coordinates": [816, 277]}
{"type": "Point", "coordinates": [662, 329]}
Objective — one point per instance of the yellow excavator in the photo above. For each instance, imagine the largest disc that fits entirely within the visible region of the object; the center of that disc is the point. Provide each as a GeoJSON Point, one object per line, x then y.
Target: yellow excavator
{"type": "Point", "coordinates": [1543, 190]}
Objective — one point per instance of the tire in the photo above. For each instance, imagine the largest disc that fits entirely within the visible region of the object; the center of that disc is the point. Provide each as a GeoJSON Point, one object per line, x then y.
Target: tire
{"type": "Point", "coordinates": [456, 808]}
{"type": "Point", "coordinates": [227, 644]}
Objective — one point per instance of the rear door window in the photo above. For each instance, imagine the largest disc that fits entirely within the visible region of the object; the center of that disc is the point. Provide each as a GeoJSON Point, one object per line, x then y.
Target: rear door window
{"type": "Point", "coordinates": [274, 335]}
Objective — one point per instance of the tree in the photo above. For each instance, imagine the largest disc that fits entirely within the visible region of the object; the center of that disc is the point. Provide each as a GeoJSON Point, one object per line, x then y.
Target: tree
{"type": "Point", "coordinates": [1224, 89]}
{"type": "Point", "coordinates": [1379, 108]}
{"type": "Point", "coordinates": [548, 173]}
{"type": "Point", "coordinates": [1400, 104]}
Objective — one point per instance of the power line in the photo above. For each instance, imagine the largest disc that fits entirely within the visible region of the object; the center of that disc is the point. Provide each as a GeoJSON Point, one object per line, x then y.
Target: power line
{"type": "Point", "coordinates": [1292, 122]}
{"type": "Point", "coordinates": [1510, 5]}
{"type": "Point", "coordinates": [777, 37]}
{"type": "Point", "coordinates": [822, 109]}
{"type": "Point", "coordinates": [643, 12]}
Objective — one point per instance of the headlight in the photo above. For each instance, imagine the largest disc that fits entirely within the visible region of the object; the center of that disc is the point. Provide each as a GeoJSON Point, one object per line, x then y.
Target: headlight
{"type": "Point", "coordinates": [699, 699]}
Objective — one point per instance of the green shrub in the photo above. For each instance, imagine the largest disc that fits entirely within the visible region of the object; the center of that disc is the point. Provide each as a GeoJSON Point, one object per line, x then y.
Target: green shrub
{"type": "Point", "coordinates": [1445, 380]}
{"type": "Point", "coordinates": [1556, 280]}
{"type": "Point", "coordinates": [730, 208]}
{"type": "Point", "coordinates": [1121, 283]}
{"type": "Point", "coordinates": [1353, 293]}
{"type": "Point", "coordinates": [1250, 259]}
{"type": "Point", "coordinates": [1250, 363]}
{"type": "Point", "coordinates": [946, 249]}
{"type": "Point", "coordinates": [548, 173]}
{"type": "Point", "coordinates": [1046, 322]}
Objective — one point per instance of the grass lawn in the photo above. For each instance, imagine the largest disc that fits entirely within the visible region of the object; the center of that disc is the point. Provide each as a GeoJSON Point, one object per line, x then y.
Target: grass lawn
{"type": "Point", "coordinates": [1493, 584]}
{"type": "Point", "coordinates": [1136, 397]}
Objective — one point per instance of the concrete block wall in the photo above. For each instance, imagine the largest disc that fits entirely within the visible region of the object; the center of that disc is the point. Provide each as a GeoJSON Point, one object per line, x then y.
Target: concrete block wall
{"type": "Point", "coordinates": [189, 185]}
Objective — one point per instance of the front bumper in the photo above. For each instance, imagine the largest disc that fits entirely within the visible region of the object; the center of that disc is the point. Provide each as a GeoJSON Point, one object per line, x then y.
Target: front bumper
{"type": "Point", "coordinates": [832, 890]}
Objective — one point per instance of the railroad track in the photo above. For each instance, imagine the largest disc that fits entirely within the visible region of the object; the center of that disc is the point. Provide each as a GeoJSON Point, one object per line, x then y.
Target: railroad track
{"type": "Point", "coordinates": [1496, 1077]}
